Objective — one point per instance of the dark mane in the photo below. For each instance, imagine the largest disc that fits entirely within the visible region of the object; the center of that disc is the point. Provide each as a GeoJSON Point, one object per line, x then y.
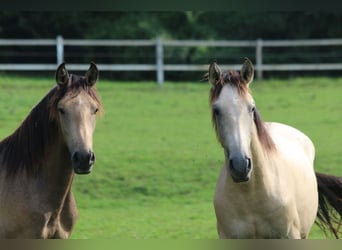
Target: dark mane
{"type": "Point", "coordinates": [233, 78]}
{"type": "Point", "coordinates": [26, 147]}
{"type": "Point", "coordinates": [264, 137]}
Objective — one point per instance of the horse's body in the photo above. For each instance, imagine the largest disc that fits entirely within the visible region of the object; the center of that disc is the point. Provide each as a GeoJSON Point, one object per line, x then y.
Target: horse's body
{"type": "Point", "coordinates": [267, 187]}
{"type": "Point", "coordinates": [280, 200]}
{"type": "Point", "coordinates": [38, 161]}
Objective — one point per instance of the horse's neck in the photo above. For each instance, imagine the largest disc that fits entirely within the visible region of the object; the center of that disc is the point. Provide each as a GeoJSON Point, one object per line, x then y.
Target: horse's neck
{"type": "Point", "coordinates": [57, 173]}
{"type": "Point", "coordinates": [262, 161]}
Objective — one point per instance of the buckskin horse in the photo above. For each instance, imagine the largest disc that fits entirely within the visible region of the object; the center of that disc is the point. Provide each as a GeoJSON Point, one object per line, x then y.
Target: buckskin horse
{"type": "Point", "coordinates": [268, 187]}
{"type": "Point", "coordinates": [39, 160]}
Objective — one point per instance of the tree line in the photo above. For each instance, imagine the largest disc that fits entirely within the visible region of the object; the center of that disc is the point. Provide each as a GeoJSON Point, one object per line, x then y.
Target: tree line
{"type": "Point", "coordinates": [170, 25]}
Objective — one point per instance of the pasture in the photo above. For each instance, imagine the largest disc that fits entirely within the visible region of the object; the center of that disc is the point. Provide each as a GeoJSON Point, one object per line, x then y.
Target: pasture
{"type": "Point", "coordinates": [157, 157]}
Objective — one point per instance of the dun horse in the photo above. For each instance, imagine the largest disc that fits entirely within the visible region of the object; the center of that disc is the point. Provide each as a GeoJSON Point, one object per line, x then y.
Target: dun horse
{"type": "Point", "coordinates": [38, 161]}
{"type": "Point", "coordinates": [267, 187]}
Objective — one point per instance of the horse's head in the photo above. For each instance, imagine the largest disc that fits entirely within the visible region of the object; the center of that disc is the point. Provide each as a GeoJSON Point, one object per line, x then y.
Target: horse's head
{"type": "Point", "coordinates": [233, 111]}
{"type": "Point", "coordinates": [76, 113]}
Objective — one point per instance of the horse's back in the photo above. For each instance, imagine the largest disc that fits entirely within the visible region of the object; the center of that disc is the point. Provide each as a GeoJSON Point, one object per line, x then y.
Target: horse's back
{"type": "Point", "coordinates": [291, 141]}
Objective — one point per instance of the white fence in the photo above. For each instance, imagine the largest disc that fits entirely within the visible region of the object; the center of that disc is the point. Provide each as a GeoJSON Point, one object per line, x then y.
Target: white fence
{"type": "Point", "coordinates": [159, 66]}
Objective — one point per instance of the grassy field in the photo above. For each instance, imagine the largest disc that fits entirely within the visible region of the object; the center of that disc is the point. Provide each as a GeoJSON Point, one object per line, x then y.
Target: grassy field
{"type": "Point", "coordinates": [157, 155]}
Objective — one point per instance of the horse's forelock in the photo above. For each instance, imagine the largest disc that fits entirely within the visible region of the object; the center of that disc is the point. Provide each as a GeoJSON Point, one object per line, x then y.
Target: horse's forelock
{"type": "Point", "coordinates": [231, 77]}
{"type": "Point", "coordinates": [76, 85]}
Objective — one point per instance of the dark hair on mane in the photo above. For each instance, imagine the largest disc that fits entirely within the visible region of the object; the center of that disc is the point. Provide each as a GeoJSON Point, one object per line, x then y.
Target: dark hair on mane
{"type": "Point", "coordinates": [233, 78]}
{"type": "Point", "coordinates": [25, 148]}
{"type": "Point", "coordinates": [264, 137]}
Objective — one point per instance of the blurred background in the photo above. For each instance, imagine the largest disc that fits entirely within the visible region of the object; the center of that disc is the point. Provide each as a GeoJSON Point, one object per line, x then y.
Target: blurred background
{"type": "Point", "coordinates": [157, 156]}
{"type": "Point", "coordinates": [242, 27]}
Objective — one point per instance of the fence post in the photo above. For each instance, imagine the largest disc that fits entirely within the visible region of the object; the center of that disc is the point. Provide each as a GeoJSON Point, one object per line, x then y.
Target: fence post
{"type": "Point", "coordinates": [258, 58]}
{"type": "Point", "coordinates": [159, 61]}
{"type": "Point", "coordinates": [59, 49]}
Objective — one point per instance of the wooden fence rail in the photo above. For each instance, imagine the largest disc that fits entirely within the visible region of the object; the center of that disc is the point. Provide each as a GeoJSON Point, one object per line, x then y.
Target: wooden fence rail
{"type": "Point", "coordinates": [159, 66]}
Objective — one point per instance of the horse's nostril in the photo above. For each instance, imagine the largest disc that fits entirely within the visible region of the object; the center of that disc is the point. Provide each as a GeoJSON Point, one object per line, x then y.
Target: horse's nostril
{"type": "Point", "coordinates": [92, 158]}
{"type": "Point", "coordinates": [249, 165]}
{"type": "Point", "coordinates": [75, 157]}
{"type": "Point", "coordinates": [231, 164]}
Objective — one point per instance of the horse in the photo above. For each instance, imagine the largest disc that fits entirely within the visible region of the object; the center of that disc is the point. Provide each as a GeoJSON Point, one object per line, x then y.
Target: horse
{"type": "Point", "coordinates": [267, 187]}
{"type": "Point", "coordinates": [39, 160]}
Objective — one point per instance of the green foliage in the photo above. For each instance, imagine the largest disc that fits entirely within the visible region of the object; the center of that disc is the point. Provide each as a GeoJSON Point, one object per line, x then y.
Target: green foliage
{"type": "Point", "coordinates": [157, 155]}
{"type": "Point", "coordinates": [230, 25]}
{"type": "Point", "coordinates": [195, 25]}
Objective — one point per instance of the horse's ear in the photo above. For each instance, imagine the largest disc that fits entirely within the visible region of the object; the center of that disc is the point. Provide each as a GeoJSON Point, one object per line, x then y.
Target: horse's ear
{"type": "Point", "coordinates": [214, 73]}
{"type": "Point", "coordinates": [62, 75]}
{"type": "Point", "coordinates": [247, 72]}
{"type": "Point", "coordinates": [92, 74]}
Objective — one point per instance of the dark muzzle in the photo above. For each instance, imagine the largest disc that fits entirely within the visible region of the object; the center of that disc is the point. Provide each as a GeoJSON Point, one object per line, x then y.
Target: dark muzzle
{"type": "Point", "coordinates": [83, 162]}
{"type": "Point", "coordinates": [240, 168]}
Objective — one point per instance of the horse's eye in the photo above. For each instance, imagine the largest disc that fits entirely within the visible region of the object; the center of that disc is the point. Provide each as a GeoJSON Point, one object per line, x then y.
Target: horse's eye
{"type": "Point", "coordinates": [96, 110]}
{"type": "Point", "coordinates": [61, 111]}
{"type": "Point", "coordinates": [216, 111]}
{"type": "Point", "coordinates": [252, 109]}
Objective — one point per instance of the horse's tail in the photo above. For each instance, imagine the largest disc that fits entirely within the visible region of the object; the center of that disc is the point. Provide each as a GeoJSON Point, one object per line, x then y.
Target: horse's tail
{"type": "Point", "coordinates": [329, 212]}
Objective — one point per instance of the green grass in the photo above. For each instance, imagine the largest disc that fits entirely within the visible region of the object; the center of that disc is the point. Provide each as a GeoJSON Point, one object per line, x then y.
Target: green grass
{"type": "Point", "coordinates": [157, 155]}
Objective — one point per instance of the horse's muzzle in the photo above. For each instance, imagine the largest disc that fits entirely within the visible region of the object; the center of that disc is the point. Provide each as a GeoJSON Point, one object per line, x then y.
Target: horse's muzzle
{"type": "Point", "coordinates": [83, 162]}
{"type": "Point", "coordinates": [240, 168]}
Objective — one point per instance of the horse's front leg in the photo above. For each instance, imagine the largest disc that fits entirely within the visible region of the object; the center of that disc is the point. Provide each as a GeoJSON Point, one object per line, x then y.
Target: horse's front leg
{"type": "Point", "coordinates": [67, 218]}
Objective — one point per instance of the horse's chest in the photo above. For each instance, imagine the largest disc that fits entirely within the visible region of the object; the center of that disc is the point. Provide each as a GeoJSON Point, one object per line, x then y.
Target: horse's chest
{"type": "Point", "coordinates": [251, 220]}
{"type": "Point", "coordinates": [53, 229]}
{"type": "Point", "coordinates": [249, 227]}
